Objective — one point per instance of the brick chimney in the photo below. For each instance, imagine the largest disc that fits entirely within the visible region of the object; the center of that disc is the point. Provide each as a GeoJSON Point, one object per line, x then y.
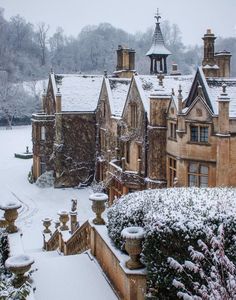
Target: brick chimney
{"type": "Point", "coordinates": [223, 61]}
{"type": "Point", "coordinates": [125, 62]}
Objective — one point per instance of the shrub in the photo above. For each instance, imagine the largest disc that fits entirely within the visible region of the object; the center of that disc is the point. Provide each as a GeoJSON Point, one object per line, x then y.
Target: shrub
{"type": "Point", "coordinates": [174, 219]}
{"type": "Point", "coordinates": [213, 267]}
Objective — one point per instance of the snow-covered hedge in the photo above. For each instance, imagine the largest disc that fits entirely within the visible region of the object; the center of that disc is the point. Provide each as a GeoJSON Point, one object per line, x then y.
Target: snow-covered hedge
{"type": "Point", "coordinates": [174, 219]}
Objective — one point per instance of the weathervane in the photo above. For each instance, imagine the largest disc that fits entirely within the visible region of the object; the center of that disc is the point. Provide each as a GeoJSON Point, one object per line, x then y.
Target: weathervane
{"type": "Point", "coordinates": [157, 16]}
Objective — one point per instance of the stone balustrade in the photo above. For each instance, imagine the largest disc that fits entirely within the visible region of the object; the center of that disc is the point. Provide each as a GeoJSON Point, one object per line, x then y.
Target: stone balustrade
{"type": "Point", "coordinates": [53, 242]}
{"type": "Point", "coordinates": [79, 241]}
{"type": "Point", "coordinates": [129, 177]}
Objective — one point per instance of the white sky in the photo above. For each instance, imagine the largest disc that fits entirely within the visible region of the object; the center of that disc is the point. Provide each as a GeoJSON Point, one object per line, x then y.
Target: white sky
{"type": "Point", "coordinates": [192, 17]}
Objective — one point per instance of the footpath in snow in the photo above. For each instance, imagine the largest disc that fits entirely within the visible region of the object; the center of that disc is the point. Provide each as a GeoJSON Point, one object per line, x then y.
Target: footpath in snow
{"type": "Point", "coordinates": [58, 277]}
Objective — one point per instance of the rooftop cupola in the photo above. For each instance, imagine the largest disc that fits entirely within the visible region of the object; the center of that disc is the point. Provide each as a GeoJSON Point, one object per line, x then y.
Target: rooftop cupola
{"type": "Point", "coordinates": [158, 52]}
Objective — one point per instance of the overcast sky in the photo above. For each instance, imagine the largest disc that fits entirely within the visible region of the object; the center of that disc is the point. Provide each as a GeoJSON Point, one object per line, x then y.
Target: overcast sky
{"type": "Point", "coordinates": [192, 17]}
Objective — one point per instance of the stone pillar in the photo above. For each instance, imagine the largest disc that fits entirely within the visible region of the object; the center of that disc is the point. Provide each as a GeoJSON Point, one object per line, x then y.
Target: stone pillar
{"type": "Point", "coordinates": [123, 164]}
{"type": "Point", "coordinates": [157, 136]}
{"type": "Point", "coordinates": [151, 66]}
{"type": "Point", "coordinates": [44, 95]}
{"type": "Point", "coordinates": [58, 101]}
{"type": "Point", "coordinates": [73, 221]}
{"type": "Point", "coordinates": [223, 141]}
{"type": "Point", "coordinates": [139, 166]}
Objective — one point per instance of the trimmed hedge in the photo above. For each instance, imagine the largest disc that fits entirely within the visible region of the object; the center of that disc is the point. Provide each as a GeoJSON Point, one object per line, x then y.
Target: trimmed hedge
{"type": "Point", "coordinates": [173, 219]}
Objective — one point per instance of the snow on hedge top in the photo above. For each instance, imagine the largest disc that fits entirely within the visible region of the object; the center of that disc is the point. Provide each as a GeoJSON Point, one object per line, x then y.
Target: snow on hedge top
{"type": "Point", "coordinates": [79, 92]}
{"type": "Point", "coordinates": [179, 208]}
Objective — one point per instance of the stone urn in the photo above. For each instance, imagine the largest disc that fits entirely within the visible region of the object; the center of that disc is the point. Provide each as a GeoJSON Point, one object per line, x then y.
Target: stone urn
{"type": "Point", "coordinates": [133, 245]}
{"type": "Point", "coordinates": [47, 224]}
{"type": "Point", "coordinates": [98, 206]}
{"type": "Point", "coordinates": [64, 218]}
{"type": "Point", "coordinates": [19, 265]}
{"type": "Point", "coordinates": [57, 224]}
{"type": "Point", "coordinates": [10, 215]}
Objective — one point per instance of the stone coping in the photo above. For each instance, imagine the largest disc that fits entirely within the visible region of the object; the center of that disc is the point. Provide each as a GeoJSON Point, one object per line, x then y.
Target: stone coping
{"type": "Point", "coordinates": [121, 257]}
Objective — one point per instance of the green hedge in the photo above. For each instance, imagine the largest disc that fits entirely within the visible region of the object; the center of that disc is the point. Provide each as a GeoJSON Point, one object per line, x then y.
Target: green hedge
{"type": "Point", "coordinates": [173, 219]}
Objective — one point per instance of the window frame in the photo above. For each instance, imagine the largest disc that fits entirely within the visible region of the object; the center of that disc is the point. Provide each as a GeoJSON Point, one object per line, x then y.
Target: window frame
{"type": "Point", "coordinates": [198, 174]}
{"type": "Point", "coordinates": [172, 130]}
{"type": "Point", "coordinates": [199, 134]}
{"type": "Point", "coordinates": [172, 165]}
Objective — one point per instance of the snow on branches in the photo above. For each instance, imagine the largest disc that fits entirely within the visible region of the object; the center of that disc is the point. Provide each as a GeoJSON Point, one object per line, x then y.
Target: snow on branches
{"type": "Point", "coordinates": [216, 271]}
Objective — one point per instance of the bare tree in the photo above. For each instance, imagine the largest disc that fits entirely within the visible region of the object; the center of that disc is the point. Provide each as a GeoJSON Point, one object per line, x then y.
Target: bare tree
{"type": "Point", "coordinates": [8, 92]}
{"type": "Point", "coordinates": [42, 41]}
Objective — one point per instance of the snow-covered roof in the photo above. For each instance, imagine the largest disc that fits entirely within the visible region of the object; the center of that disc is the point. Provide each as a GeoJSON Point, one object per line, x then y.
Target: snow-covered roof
{"type": "Point", "coordinates": [149, 84]}
{"type": "Point", "coordinates": [214, 90]}
{"type": "Point", "coordinates": [79, 92]}
{"type": "Point", "coordinates": [117, 93]}
{"type": "Point", "coordinates": [158, 45]}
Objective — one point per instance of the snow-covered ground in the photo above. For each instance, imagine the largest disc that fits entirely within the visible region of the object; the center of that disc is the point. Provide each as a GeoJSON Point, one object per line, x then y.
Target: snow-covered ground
{"type": "Point", "coordinates": [38, 203]}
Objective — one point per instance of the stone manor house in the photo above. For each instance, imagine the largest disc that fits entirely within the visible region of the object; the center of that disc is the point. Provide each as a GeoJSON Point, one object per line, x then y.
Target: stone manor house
{"type": "Point", "coordinates": [134, 132]}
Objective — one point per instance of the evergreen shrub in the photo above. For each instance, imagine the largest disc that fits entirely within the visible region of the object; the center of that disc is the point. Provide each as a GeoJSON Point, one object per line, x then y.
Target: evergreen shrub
{"type": "Point", "coordinates": [174, 219]}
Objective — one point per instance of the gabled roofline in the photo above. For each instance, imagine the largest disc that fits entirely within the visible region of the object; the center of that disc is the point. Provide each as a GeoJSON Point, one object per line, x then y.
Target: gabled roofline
{"type": "Point", "coordinates": [54, 85]}
{"type": "Point", "coordinates": [199, 78]}
{"type": "Point", "coordinates": [172, 100]}
{"type": "Point", "coordinates": [199, 98]}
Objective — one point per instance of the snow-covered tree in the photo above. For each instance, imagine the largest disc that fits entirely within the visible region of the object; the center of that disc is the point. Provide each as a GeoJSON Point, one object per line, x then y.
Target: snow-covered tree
{"type": "Point", "coordinates": [216, 272]}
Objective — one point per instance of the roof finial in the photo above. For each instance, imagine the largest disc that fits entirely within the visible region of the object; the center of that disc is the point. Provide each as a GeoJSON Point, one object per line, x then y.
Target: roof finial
{"type": "Point", "coordinates": [180, 96]}
{"type": "Point", "coordinates": [224, 88]}
{"type": "Point", "coordinates": [160, 77]}
{"type": "Point", "coordinates": [157, 16]}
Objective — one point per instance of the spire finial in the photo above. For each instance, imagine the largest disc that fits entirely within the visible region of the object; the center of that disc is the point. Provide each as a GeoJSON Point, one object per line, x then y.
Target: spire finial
{"type": "Point", "coordinates": [157, 16]}
{"type": "Point", "coordinates": [180, 96]}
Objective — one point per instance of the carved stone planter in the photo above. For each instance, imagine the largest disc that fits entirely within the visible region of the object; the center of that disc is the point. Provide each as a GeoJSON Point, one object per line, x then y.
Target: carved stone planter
{"type": "Point", "coordinates": [133, 245]}
{"type": "Point", "coordinates": [19, 265]}
{"type": "Point", "coordinates": [98, 206]}
{"type": "Point", "coordinates": [10, 215]}
{"type": "Point", "coordinates": [47, 224]}
{"type": "Point", "coordinates": [64, 218]}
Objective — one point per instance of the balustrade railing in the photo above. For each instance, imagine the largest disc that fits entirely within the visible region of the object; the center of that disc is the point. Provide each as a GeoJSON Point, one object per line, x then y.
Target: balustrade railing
{"type": "Point", "coordinates": [79, 241]}
{"type": "Point", "coordinates": [53, 242]}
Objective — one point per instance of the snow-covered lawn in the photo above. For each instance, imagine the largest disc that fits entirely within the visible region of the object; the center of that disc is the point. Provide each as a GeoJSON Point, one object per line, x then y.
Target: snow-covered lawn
{"type": "Point", "coordinates": [38, 203]}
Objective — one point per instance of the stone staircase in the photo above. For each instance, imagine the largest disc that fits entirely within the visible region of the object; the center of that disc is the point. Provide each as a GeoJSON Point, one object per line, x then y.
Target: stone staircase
{"type": "Point", "coordinates": [60, 275]}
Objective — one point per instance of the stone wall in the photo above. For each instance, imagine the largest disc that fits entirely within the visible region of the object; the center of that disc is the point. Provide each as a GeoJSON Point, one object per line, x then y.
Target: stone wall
{"type": "Point", "coordinates": [129, 285]}
{"type": "Point", "coordinates": [74, 149]}
{"type": "Point", "coordinates": [42, 149]}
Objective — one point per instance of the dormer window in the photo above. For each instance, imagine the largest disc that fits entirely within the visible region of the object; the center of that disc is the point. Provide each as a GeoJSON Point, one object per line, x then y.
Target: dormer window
{"type": "Point", "coordinates": [133, 115]}
{"type": "Point", "coordinates": [199, 134]}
